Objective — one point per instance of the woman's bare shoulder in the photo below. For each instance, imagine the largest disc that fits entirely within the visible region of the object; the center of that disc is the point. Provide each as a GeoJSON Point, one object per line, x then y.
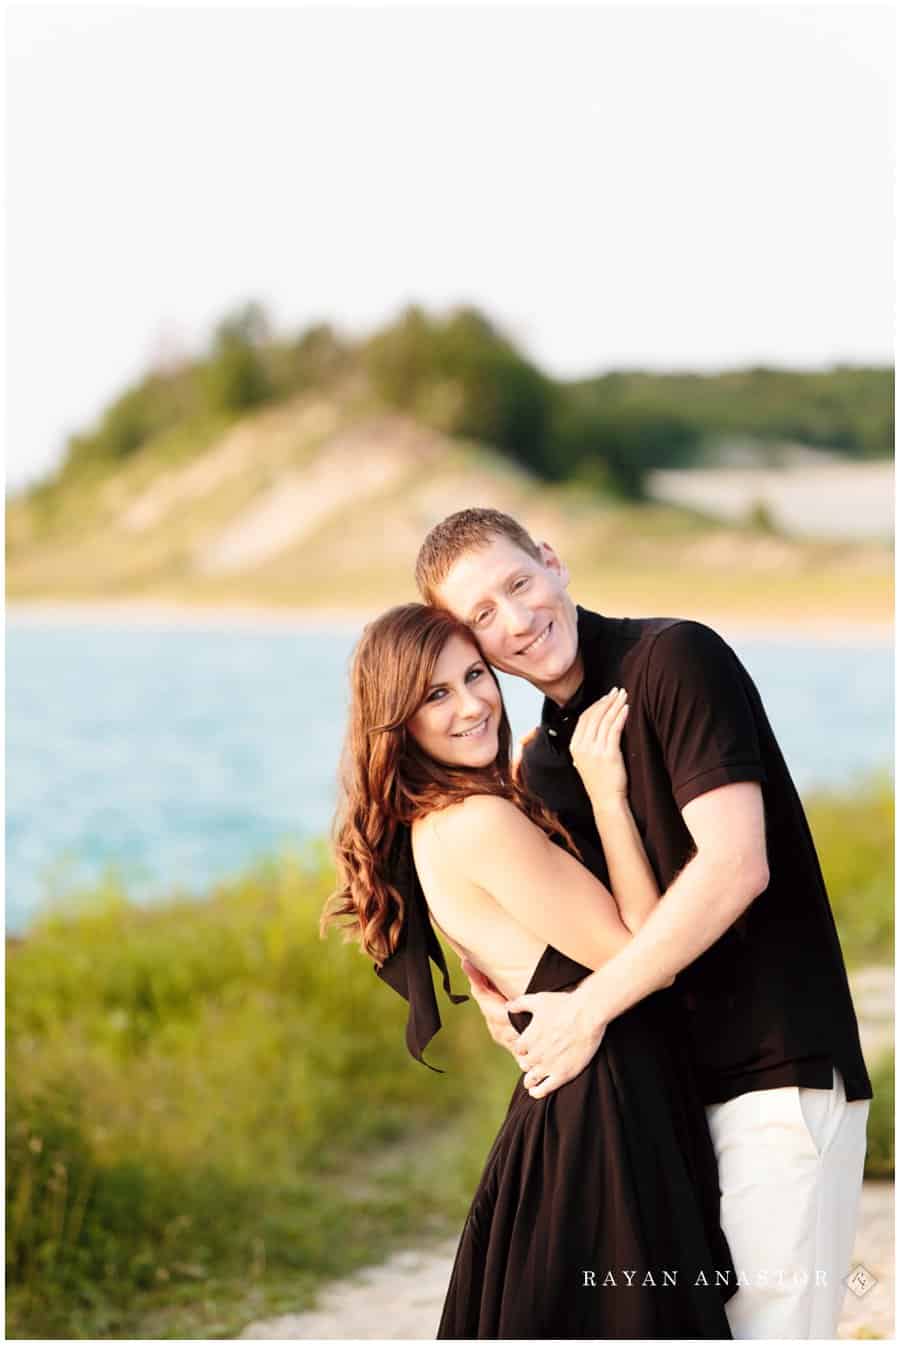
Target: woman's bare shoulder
{"type": "Point", "coordinates": [462, 843]}
{"type": "Point", "coordinates": [473, 821]}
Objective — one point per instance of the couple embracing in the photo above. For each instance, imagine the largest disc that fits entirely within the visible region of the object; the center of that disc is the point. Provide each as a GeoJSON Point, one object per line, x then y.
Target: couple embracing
{"type": "Point", "coordinates": [642, 918]}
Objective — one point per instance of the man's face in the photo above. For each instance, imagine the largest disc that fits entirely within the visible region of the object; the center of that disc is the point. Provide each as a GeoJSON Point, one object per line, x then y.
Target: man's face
{"type": "Point", "coordinates": [517, 608]}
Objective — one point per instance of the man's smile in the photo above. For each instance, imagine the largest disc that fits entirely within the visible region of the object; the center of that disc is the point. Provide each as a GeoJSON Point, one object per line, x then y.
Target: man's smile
{"type": "Point", "coordinates": [538, 641]}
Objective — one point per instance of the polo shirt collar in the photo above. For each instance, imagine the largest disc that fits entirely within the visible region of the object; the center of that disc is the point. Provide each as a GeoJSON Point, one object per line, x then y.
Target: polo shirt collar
{"type": "Point", "coordinates": [559, 721]}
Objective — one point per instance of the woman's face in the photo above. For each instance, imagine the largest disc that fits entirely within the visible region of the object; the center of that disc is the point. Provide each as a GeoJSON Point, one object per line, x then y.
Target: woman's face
{"type": "Point", "coordinates": [458, 720]}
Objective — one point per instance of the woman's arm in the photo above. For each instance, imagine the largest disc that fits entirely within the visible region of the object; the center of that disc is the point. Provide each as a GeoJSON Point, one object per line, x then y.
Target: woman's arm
{"type": "Point", "coordinates": [491, 842]}
{"type": "Point", "coordinates": [596, 753]}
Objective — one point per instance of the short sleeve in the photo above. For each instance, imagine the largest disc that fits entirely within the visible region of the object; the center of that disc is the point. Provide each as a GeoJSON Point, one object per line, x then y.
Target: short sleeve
{"type": "Point", "coordinates": [699, 697]}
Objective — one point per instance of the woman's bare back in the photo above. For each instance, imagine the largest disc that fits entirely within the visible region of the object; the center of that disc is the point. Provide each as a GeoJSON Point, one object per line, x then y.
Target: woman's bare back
{"type": "Point", "coordinates": [473, 923]}
{"type": "Point", "coordinates": [502, 892]}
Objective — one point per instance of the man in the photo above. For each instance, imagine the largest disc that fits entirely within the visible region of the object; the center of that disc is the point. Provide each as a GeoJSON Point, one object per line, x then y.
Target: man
{"type": "Point", "coordinates": [744, 922]}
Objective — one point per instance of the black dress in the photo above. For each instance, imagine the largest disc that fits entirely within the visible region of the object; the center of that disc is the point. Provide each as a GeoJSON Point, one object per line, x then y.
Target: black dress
{"type": "Point", "coordinates": [597, 1213]}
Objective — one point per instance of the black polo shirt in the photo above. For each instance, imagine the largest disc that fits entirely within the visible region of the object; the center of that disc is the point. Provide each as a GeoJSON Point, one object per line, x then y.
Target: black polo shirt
{"type": "Point", "coordinates": [768, 1003]}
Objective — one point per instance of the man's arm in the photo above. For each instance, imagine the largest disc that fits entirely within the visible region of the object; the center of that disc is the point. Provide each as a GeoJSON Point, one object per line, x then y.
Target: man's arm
{"type": "Point", "coordinates": [597, 756]}
{"type": "Point", "coordinates": [729, 869]}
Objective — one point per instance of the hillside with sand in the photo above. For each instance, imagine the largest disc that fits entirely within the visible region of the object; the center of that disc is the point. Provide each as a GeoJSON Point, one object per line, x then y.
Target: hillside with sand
{"type": "Point", "coordinates": [318, 504]}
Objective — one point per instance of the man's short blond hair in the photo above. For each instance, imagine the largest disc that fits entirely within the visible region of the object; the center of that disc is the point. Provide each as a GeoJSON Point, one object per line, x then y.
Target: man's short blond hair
{"type": "Point", "coordinates": [466, 530]}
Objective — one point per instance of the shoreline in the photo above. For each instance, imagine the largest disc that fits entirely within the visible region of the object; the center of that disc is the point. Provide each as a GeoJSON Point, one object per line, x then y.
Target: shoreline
{"type": "Point", "coordinates": [139, 612]}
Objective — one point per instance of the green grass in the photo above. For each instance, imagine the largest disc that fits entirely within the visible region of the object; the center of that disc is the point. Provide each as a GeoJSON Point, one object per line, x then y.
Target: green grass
{"type": "Point", "coordinates": [853, 832]}
{"type": "Point", "coordinates": [210, 1111]}
{"type": "Point", "coordinates": [880, 1135]}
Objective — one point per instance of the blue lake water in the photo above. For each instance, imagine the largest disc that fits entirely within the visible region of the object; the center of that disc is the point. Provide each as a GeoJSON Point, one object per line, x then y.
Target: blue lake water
{"type": "Point", "coordinates": [178, 756]}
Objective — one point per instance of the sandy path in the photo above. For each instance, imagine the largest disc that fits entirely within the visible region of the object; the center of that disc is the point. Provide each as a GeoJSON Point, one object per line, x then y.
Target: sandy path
{"type": "Point", "coordinates": [874, 1248]}
{"type": "Point", "coordinates": [401, 1299]}
{"type": "Point", "coordinates": [873, 997]}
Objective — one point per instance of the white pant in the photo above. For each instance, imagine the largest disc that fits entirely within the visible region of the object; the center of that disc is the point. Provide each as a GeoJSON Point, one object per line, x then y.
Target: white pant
{"type": "Point", "coordinates": [790, 1172]}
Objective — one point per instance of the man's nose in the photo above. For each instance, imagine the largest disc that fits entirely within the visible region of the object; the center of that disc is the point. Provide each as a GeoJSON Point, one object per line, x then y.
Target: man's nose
{"type": "Point", "coordinates": [517, 617]}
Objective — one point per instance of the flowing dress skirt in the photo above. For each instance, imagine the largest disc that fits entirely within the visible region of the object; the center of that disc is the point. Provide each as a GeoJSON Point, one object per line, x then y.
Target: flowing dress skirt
{"type": "Point", "coordinates": [597, 1213]}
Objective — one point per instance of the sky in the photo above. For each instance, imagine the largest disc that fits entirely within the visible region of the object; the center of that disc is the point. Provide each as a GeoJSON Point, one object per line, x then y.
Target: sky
{"type": "Point", "coordinates": [666, 187]}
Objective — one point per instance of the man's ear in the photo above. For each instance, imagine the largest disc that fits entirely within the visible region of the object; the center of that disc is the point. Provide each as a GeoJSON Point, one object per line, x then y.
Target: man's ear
{"type": "Point", "coordinates": [551, 560]}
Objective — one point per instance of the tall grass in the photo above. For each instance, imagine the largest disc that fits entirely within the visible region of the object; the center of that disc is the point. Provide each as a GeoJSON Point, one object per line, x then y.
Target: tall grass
{"type": "Point", "coordinates": [880, 1133]}
{"type": "Point", "coordinates": [854, 836]}
{"type": "Point", "coordinates": [197, 1096]}
{"type": "Point", "coordinates": [210, 1110]}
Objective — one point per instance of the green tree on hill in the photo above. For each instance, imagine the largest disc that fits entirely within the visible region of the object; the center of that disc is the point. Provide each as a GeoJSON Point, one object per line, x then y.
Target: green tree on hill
{"type": "Point", "coordinates": [317, 356]}
{"type": "Point", "coordinates": [598, 436]}
{"type": "Point", "coordinates": [461, 374]}
{"type": "Point", "coordinates": [235, 376]}
{"type": "Point", "coordinates": [153, 405]}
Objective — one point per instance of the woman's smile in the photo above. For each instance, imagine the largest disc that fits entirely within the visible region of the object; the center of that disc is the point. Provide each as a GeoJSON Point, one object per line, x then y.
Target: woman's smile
{"type": "Point", "coordinates": [477, 731]}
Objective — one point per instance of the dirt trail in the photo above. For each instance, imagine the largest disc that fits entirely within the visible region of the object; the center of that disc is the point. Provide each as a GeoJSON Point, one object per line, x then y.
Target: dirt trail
{"type": "Point", "coordinates": [401, 1299]}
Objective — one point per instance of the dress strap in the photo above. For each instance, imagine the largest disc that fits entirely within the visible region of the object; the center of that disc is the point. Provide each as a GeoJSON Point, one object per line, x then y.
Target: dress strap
{"type": "Point", "coordinates": [407, 969]}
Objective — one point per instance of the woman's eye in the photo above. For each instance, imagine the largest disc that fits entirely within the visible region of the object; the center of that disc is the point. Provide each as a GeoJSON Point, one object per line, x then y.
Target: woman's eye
{"type": "Point", "coordinates": [436, 694]}
{"type": "Point", "coordinates": [475, 672]}
{"type": "Point", "coordinates": [480, 619]}
{"type": "Point", "coordinates": [520, 583]}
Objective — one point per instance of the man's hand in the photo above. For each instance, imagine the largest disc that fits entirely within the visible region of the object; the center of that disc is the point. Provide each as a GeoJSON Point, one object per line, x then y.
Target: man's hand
{"type": "Point", "coordinates": [558, 1042]}
{"type": "Point", "coordinates": [492, 1003]}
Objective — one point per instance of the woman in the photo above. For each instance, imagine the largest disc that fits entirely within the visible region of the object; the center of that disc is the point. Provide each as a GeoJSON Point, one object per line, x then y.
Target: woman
{"type": "Point", "coordinates": [597, 1211]}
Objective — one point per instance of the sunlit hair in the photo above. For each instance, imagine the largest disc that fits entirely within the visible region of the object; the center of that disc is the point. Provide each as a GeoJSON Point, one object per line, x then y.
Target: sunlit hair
{"type": "Point", "coordinates": [387, 780]}
{"type": "Point", "coordinates": [464, 531]}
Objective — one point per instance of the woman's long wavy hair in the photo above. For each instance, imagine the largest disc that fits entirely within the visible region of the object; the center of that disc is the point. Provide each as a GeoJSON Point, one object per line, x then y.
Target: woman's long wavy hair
{"type": "Point", "coordinates": [387, 781]}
